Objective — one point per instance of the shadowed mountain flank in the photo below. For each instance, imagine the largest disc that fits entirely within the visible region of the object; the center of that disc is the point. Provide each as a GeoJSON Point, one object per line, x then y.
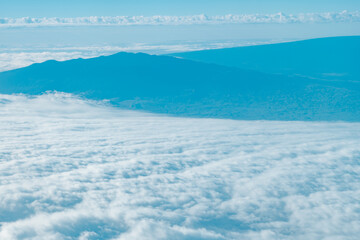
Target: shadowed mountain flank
{"type": "Point", "coordinates": [335, 58]}
{"type": "Point", "coordinates": [164, 84]}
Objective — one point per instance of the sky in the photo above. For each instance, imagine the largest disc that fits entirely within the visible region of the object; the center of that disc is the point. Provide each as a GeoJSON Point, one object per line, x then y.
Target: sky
{"type": "Point", "coordinates": [75, 8]}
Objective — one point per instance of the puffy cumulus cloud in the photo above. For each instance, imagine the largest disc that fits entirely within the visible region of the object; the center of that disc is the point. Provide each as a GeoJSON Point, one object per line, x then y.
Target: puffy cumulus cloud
{"type": "Point", "coordinates": [343, 16]}
{"type": "Point", "coordinates": [76, 169]}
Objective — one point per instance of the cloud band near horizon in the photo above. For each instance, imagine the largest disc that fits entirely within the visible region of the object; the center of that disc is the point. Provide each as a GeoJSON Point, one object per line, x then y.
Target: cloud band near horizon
{"type": "Point", "coordinates": [279, 18]}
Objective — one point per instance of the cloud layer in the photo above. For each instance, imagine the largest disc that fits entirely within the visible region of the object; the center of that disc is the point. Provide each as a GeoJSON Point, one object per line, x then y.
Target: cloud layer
{"type": "Point", "coordinates": [74, 169]}
{"type": "Point", "coordinates": [326, 17]}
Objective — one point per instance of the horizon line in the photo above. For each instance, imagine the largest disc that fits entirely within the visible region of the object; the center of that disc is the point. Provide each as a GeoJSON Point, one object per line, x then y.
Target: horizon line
{"type": "Point", "coordinates": [200, 19]}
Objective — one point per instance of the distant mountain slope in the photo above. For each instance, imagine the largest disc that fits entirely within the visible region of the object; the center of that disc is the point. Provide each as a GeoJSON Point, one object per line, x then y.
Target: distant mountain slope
{"type": "Point", "coordinates": [165, 84]}
{"type": "Point", "coordinates": [336, 58]}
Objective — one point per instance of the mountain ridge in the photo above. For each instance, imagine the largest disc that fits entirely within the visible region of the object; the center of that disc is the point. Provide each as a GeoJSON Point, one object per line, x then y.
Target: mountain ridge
{"type": "Point", "coordinates": [331, 58]}
{"type": "Point", "coordinates": [165, 84]}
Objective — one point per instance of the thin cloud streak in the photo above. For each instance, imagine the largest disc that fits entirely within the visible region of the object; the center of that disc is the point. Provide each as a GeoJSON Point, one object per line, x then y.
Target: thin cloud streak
{"type": "Point", "coordinates": [280, 18]}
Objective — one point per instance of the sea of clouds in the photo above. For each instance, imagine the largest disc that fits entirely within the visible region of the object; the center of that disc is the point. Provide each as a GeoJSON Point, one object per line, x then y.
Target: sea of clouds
{"type": "Point", "coordinates": [76, 169]}
{"type": "Point", "coordinates": [325, 17]}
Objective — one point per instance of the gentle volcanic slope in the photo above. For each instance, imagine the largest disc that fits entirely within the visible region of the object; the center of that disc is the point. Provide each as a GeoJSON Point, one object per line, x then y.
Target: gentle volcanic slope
{"type": "Point", "coordinates": [336, 58]}
{"type": "Point", "coordinates": [165, 84]}
{"type": "Point", "coordinates": [70, 169]}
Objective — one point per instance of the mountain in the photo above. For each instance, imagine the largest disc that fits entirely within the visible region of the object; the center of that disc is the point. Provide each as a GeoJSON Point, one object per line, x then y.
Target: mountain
{"type": "Point", "coordinates": [164, 84]}
{"type": "Point", "coordinates": [335, 58]}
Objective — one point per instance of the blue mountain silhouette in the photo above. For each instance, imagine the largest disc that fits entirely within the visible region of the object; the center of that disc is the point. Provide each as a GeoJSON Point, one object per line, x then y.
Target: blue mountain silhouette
{"type": "Point", "coordinates": [335, 58]}
{"type": "Point", "coordinates": [164, 84]}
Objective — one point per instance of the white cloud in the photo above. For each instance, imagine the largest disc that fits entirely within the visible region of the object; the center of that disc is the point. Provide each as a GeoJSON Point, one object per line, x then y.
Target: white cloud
{"type": "Point", "coordinates": [343, 16]}
{"type": "Point", "coordinates": [76, 169]}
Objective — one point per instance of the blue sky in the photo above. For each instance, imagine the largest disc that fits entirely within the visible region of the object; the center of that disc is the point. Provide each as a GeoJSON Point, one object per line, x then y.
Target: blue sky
{"type": "Point", "coordinates": [73, 8]}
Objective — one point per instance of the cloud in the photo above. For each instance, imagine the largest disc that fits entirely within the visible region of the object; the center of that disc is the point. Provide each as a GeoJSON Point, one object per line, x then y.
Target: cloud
{"type": "Point", "coordinates": [77, 169]}
{"type": "Point", "coordinates": [325, 17]}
